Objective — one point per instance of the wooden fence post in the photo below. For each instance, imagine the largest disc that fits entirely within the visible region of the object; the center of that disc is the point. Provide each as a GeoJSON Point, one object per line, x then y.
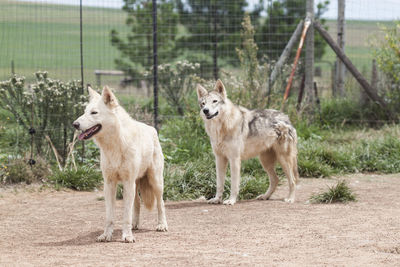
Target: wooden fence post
{"type": "Point", "coordinates": [309, 61]}
{"type": "Point", "coordinates": [340, 70]}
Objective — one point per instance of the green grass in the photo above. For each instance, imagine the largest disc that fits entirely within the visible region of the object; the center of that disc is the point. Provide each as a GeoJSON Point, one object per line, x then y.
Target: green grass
{"type": "Point", "coordinates": [340, 192]}
{"type": "Point", "coordinates": [83, 179]}
{"type": "Point", "coordinates": [45, 36]}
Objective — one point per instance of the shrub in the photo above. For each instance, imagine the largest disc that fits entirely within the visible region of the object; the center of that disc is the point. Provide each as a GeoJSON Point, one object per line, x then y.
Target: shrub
{"type": "Point", "coordinates": [50, 106]}
{"type": "Point", "coordinates": [340, 192]}
{"type": "Point", "coordinates": [387, 55]}
{"type": "Point", "coordinates": [177, 82]}
{"type": "Point", "coordinates": [82, 179]}
{"type": "Point", "coordinates": [252, 93]}
{"type": "Point", "coordinates": [19, 171]}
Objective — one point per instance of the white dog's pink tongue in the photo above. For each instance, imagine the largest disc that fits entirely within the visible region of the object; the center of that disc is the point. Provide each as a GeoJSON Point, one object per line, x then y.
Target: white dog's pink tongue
{"type": "Point", "coordinates": [81, 136]}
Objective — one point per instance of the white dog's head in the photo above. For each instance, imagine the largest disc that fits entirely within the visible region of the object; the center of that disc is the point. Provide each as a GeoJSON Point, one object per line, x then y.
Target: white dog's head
{"type": "Point", "coordinates": [212, 103]}
{"type": "Point", "coordinates": [99, 113]}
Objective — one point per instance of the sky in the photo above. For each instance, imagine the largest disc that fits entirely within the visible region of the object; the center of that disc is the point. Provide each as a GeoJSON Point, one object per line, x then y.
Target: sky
{"type": "Point", "coordinates": [355, 9]}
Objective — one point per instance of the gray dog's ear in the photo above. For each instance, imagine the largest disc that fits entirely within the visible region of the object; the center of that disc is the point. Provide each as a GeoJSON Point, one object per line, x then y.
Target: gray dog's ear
{"type": "Point", "coordinates": [92, 93]}
{"type": "Point", "coordinates": [109, 98]}
{"type": "Point", "coordinates": [201, 91]}
{"type": "Point", "coordinates": [220, 88]}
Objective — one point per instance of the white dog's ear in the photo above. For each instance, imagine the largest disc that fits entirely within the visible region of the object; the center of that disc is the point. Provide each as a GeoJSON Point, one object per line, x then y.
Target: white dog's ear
{"type": "Point", "coordinates": [92, 93]}
{"type": "Point", "coordinates": [201, 91]}
{"type": "Point", "coordinates": [220, 88]}
{"type": "Point", "coordinates": [109, 98]}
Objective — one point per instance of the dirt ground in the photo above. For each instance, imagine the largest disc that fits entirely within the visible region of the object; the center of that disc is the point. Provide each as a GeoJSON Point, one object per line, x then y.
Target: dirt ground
{"type": "Point", "coordinates": [51, 228]}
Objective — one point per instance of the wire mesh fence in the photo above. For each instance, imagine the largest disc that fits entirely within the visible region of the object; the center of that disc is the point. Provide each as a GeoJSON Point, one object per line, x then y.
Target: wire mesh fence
{"type": "Point", "coordinates": [117, 39]}
{"type": "Point", "coordinates": [117, 35]}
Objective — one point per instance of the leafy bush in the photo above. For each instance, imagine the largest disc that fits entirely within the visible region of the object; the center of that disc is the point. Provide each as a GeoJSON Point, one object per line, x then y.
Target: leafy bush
{"type": "Point", "coordinates": [192, 141]}
{"type": "Point", "coordinates": [82, 179]}
{"type": "Point", "coordinates": [387, 54]}
{"type": "Point", "coordinates": [388, 58]}
{"type": "Point", "coordinates": [177, 82]}
{"type": "Point", "coordinates": [255, 79]}
{"type": "Point", "coordinates": [50, 106]}
{"type": "Point", "coordinates": [19, 171]}
{"type": "Point", "coordinates": [341, 192]}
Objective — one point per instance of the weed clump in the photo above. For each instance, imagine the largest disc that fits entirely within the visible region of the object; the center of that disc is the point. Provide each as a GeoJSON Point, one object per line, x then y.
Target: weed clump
{"type": "Point", "coordinates": [339, 193]}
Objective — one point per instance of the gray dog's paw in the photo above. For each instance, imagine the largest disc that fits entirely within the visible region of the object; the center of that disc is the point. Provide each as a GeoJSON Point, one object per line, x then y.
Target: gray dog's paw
{"type": "Point", "coordinates": [162, 227]}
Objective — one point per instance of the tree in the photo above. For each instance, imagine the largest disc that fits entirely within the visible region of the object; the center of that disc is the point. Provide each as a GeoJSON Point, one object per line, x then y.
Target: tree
{"type": "Point", "coordinates": [214, 26]}
{"type": "Point", "coordinates": [137, 48]}
{"type": "Point", "coordinates": [282, 19]}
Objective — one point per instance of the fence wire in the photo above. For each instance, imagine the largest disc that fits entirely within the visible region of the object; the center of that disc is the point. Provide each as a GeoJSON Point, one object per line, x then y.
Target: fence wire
{"type": "Point", "coordinates": [118, 38]}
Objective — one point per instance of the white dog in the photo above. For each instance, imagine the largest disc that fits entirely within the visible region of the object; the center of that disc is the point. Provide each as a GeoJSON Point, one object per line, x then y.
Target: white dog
{"type": "Point", "coordinates": [130, 153]}
{"type": "Point", "coordinates": [237, 133]}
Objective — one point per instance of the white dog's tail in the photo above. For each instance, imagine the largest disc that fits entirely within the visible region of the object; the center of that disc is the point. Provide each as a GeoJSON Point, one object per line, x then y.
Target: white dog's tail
{"type": "Point", "coordinates": [146, 192]}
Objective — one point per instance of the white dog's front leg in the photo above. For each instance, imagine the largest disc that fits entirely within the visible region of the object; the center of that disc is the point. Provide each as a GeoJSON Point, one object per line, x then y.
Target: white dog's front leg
{"type": "Point", "coordinates": [129, 193]}
{"type": "Point", "coordinates": [221, 163]}
{"type": "Point", "coordinates": [110, 188]}
{"type": "Point", "coordinates": [235, 180]}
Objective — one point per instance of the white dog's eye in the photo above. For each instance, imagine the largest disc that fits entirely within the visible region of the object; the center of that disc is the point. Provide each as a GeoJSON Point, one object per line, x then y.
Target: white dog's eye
{"type": "Point", "coordinates": [203, 103]}
{"type": "Point", "coordinates": [93, 112]}
{"type": "Point", "coordinates": [215, 101]}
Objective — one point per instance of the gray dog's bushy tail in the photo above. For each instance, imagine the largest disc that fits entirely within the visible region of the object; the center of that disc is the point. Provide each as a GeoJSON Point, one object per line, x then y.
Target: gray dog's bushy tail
{"type": "Point", "coordinates": [146, 192]}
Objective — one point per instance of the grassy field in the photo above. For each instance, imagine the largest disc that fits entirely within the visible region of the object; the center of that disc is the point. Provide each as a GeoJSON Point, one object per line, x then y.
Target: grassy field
{"type": "Point", "coordinates": [360, 39]}
{"type": "Point", "coordinates": [46, 37]}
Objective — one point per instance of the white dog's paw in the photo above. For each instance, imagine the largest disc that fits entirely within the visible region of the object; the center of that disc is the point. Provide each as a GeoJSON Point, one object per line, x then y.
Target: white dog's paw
{"type": "Point", "coordinates": [128, 237]}
{"type": "Point", "coordinates": [289, 200]}
{"type": "Point", "coordinates": [162, 227]}
{"type": "Point", "coordinates": [230, 201]}
{"type": "Point", "coordinates": [104, 237]}
{"type": "Point", "coordinates": [262, 197]}
{"type": "Point", "coordinates": [215, 200]}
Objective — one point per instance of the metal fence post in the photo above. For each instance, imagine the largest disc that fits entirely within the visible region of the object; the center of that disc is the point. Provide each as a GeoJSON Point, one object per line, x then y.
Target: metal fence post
{"type": "Point", "coordinates": [215, 55]}
{"type": "Point", "coordinates": [155, 65]}
{"type": "Point", "coordinates": [81, 50]}
{"type": "Point", "coordinates": [81, 43]}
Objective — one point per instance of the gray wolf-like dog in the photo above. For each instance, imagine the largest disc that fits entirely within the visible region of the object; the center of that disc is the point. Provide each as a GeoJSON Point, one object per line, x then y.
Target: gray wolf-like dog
{"type": "Point", "coordinates": [237, 134]}
{"type": "Point", "coordinates": [130, 153]}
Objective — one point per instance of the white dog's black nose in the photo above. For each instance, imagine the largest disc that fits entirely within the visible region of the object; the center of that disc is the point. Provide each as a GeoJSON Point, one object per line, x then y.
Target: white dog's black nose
{"type": "Point", "coordinates": [206, 111]}
{"type": "Point", "coordinates": [76, 125]}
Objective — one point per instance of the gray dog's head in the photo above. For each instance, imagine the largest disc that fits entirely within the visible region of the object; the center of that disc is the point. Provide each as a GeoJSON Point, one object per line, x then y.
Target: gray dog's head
{"type": "Point", "coordinates": [211, 103]}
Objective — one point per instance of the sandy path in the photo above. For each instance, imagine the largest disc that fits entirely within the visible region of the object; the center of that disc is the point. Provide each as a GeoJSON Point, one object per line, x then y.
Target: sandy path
{"type": "Point", "coordinates": [59, 228]}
